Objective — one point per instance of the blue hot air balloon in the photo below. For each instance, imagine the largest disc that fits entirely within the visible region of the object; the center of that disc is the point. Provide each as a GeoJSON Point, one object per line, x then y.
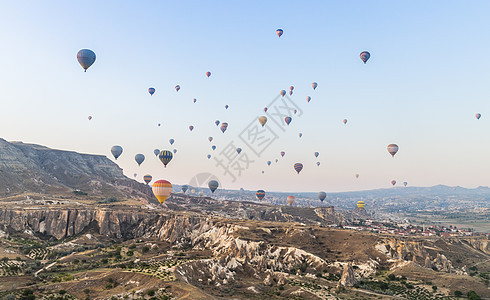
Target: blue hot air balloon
{"type": "Point", "coordinates": [171, 141]}
{"type": "Point", "coordinates": [156, 151]}
{"type": "Point", "coordinates": [288, 120]}
{"type": "Point", "coordinates": [213, 185]}
{"type": "Point", "coordinates": [116, 151]}
{"type": "Point", "coordinates": [140, 158]}
{"type": "Point", "coordinates": [86, 58]}
{"type": "Point", "coordinates": [365, 56]}
{"type": "Point", "coordinates": [151, 91]}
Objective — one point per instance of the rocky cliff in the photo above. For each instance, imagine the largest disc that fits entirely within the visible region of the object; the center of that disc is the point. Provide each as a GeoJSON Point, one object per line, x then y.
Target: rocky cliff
{"type": "Point", "coordinates": [38, 169]}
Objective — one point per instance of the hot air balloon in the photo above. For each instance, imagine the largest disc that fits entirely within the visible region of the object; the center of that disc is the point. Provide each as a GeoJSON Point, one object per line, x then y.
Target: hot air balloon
{"type": "Point", "coordinates": [210, 139]}
{"type": "Point", "coordinates": [151, 91]}
{"type": "Point", "coordinates": [216, 122]}
{"type": "Point", "coordinates": [171, 141]}
{"type": "Point", "coordinates": [317, 153]}
{"type": "Point", "coordinates": [279, 32]}
{"type": "Point", "coordinates": [283, 153]}
{"type": "Point", "coordinates": [158, 124]}
{"type": "Point", "coordinates": [262, 172]}
{"type": "Point", "coordinates": [86, 58]}
{"type": "Point", "coordinates": [139, 158]}
{"type": "Point", "coordinates": [290, 93]}
{"type": "Point", "coordinates": [184, 188]}
{"type": "Point", "coordinates": [405, 183]}
{"type": "Point", "coordinates": [89, 118]}
{"type": "Point", "coordinates": [265, 109]}
{"type": "Point", "coordinates": [283, 93]}
{"type": "Point", "coordinates": [277, 160]}
{"type": "Point", "coordinates": [213, 147]}
{"type": "Point", "coordinates": [224, 126]}
{"type": "Point", "coordinates": [175, 151]}
{"type": "Point", "coordinates": [478, 116]}
{"type": "Point", "coordinates": [191, 128]}
{"type": "Point", "coordinates": [357, 175]}
{"type": "Point", "coordinates": [322, 196]}
{"type": "Point", "coordinates": [345, 121]}
{"type": "Point", "coordinates": [165, 157]}
{"type": "Point", "coordinates": [177, 87]}
{"type": "Point", "coordinates": [260, 194]}
{"type": "Point", "coordinates": [317, 163]}
{"type": "Point", "coordinates": [209, 156]}
{"type": "Point", "coordinates": [268, 162]}
{"type": "Point", "coordinates": [300, 134]}
{"type": "Point", "coordinates": [288, 120]}
{"type": "Point", "coordinates": [290, 200]}
{"type": "Point", "coordinates": [213, 185]}
{"type": "Point", "coordinates": [393, 149]}
{"type": "Point", "coordinates": [208, 74]}
{"type": "Point", "coordinates": [393, 182]}
{"type": "Point", "coordinates": [298, 167]}
{"type": "Point", "coordinates": [365, 56]}
{"type": "Point", "coordinates": [308, 99]}
{"type": "Point", "coordinates": [194, 100]}
{"type": "Point", "coordinates": [116, 151]}
{"type": "Point", "coordinates": [147, 178]}
{"type": "Point", "coordinates": [135, 175]}
{"type": "Point", "coordinates": [238, 150]}
{"type": "Point", "coordinates": [156, 151]}
{"type": "Point", "coordinates": [291, 88]}
{"type": "Point", "coordinates": [360, 204]}
{"type": "Point", "coordinates": [262, 120]}
{"type": "Point", "coordinates": [162, 189]}
{"type": "Point", "coordinates": [314, 85]}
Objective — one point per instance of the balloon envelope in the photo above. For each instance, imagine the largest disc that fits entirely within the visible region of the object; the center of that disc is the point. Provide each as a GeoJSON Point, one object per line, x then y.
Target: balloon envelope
{"type": "Point", "coordinates": [283, 93]}
{"type": "Point", "coordinates": [86, 58]}
{"type": "Point", "coordinates": [210, 138]}
{"type": "Point", "coordinates": [279, 32]}
{"type": "Point", "coordinates": [213, 147]}
{"type": "Point", "coordinates": [171, 141]}
{"type": "Point", "coordinates": [151, 91]}
{"type": "Point", "coordinates": [316, 154]}
{"type": "Point", "coordinates": [208, 74]}
{"type": "Point", "coordinates": [116, 151]}
{"type": "Point", "coordinates": [191, 128]}
{"type": "Point", "coordinates": [184, 188]}
{"type": "Point", "coordinates": [177, 88]}
{"type": "Point", "coordinates": [226, 106]}
{"type": "Point", "coordinates": [156, 151]}
{"type": "Point", "coordinates": [288, 120]}
{"type": "Point", "coordinates": [405, 183]}
{"type": "Point", "coordinates": [260, 194]}
{"type": "Point", "coordinates": [478, 116]}
{"type": "Point", "coordinates": [365, 56]}
{"type": "Point", "coordinates": [393, 182]}
{"type": "Point", "coordinates": [165, 157]}
{"type": "Point", "coordinates": [392, 149]}
{"type": "Point", "coordinates": [89, 118]}
{"type": "Point", "coordinates": [216, 122]}
{"type": "Point", "coordinates": [269, 163]}
{"type": "Point", "coordinates": [360, 204]}
{"type": "Point", "coordinates": [265, 109]}
{"type": "Point", "coordinates": [224, 126]}
{"type": "Point", "coordinates": [262, 120]}
{"type": "Point", "coordinates": [162, 189]}
{"type": "Point", "coordinates": [147, 178]}
{"type": "Point", "coordinates": [308, 99]}
{"type": "Point", "coordinates": [238, 150]}
{"type": "Point", "coordinates": [345, 121]}
{"type": "Point", "coordinates": [322, 196]}
{"type": "Point", "coordinates": [283, 153]}
{"type": "Point", "coordinates": [209, 156]}
{"type": "Point", "coordinates": [291, 200]}
{"type": "Point", "coordinates": [213, 185]}
{"type": "Point", "coordinates": [298, 167]}
{"type": "Point", "coordinates": [139, 158]}
{"type": "Point", "coordinates": [314, 85]}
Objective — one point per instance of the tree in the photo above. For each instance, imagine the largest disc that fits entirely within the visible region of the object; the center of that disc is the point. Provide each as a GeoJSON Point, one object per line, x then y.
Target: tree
{"type": "Point", "coordinates": [458, 293]}
{"type": "Point", "coordinates": [473, 296]}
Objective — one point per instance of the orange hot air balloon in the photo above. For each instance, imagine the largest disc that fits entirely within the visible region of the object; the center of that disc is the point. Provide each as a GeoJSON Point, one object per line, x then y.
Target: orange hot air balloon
{"type": "Point", "coordinates": [262, 120]}
{"type": "Point", "coordinates": [208, 74]}
{"type": "Point", "coordinates": [345, 121]}
{"type": "Point", "coordinates": [357, 175]}
{"type": "Point", "coordinates": [291, 200]}
{"type": "Point", "coordinates": [393, 149]}
{"type": "Point", "coordinates": [162, 189]}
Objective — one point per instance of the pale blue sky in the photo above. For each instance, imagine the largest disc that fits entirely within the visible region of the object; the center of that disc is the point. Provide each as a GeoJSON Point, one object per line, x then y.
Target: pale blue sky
{"type": "Point", "coordinates": [427, 77]}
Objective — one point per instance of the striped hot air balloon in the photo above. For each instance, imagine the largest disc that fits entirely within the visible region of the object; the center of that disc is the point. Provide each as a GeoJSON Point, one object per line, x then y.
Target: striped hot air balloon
{"type": "Point", "coordinates": [224, 126]}
{"type": "Point", "coordinates": [162, 189]}
{"type": "Point", "coordinates": [392, 149]}
{"type": "Point", "coordinates": [147, 178]}
{"type": "Point", "coordinates": [360, 204]}
{"type": "Point", "coordinates": [291, 200]}
{"type": "Point", "coordinates": [260, 194]}
{"type": "Point", "coordinates": [165, 157]}
{"type": "Point", "coordinates": [288, 120]}
{"type": "Point", "coordinates": [298, 167]}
